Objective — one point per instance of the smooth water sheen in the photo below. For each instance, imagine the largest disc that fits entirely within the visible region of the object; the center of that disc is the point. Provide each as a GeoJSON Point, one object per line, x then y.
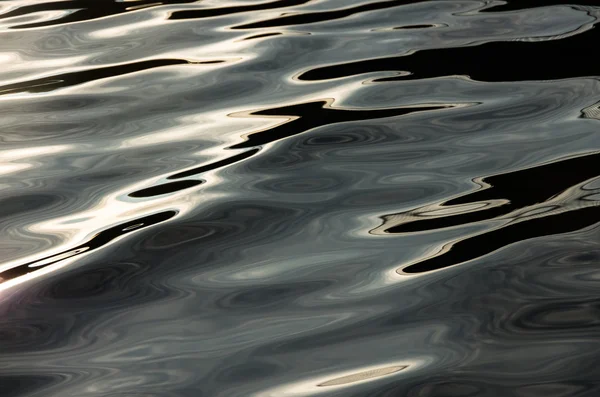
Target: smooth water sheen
{"type": "Point", "coordinates": [246, 198]}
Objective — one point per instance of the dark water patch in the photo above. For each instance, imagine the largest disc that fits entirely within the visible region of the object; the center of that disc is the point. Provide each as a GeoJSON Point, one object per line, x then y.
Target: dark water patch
{"type": "Point", "coordinates": [466, 385]}
{"type": "Point", "coordinates": [264, 296]}
{"type": "Point", "coordinates": [313, 17]}
{"type": "Point", "coordinates": [516, 190]}
{"type": "Point", "coordinates": [306, 116]}
{"type": "Point", "coordinates": [83, 10]}
{"type": "Point", "coordinates": [165, 188]}
{"type": "Point", "coordinates": [220, 11]}
{"type": "Point", "coordinates": [102, 238]}
{"type": "Point", "coordinates": [99, 286]}
{"type": "Point", "coordinates": [539, 60]}
{"type": "Point", "coordinates": [560, 315]}
{"type": "Point", "coordinates": [88, 284]}
{"type": "Point", "coordinates": [457, 387]}
{"type": "Point", "coordinates": [15, 205]}
{"type": "Point", "coordinates": [483, 244]}
{"type": "Point", "coordinates": [51, 83]}
{"type": "Point", "coordinates": [217, 164]}
{"type": "Point", "coordinates": [18, 385]}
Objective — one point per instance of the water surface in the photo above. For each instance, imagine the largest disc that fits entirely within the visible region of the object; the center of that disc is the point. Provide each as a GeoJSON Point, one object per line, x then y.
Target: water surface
{"type": "Point", "coordinates": [299, 198]}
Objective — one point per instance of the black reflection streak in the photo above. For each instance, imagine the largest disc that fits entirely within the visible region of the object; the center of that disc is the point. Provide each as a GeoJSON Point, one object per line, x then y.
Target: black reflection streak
{"type": "Point", "coordinates": [486, 62]}
{"type": "Point", "coordinates": [520, 188]}
{"type": "Point", "coordinates": [486, 243]}
{"type": "Point", "coordinates": [415, 27]}
{"type": "Point", "coordinates": [216, 12]}
{"type": "Point", "coordinates": [165, 188]}
{"type": "Point", "coordinates": [84, 10]}
{"type": "Point", "coordinates": [13, 385]}
{"type": "Point", "coordinates": [216, 164]}
{"type": "Point", "coordinates": [310, 115]}
{"type": "Point", "coordinates": [301, 19]}
{"type": "Point", "coordinates": [261, 36]}
{"type": "Point", "coordinates": [99, 240]}
{"type": "Point", "coordinates": [172, 187]}
{"type": "Point", "coordinates": [51, 83]}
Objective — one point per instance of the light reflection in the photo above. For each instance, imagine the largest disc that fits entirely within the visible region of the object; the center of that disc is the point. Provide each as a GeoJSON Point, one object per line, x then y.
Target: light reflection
{"type": "Point", "coordinates": [35, 17]}
{"type": "Point", "coordinates": [363, 376]}
{"type": "Point", "coordinates": [343, 379]}
{"type": "Point", "coordinates": [15, 160]}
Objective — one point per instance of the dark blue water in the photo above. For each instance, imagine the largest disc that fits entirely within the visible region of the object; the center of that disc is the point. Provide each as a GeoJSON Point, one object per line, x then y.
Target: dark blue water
{"type": "Point", "coordinates": [299, 198]}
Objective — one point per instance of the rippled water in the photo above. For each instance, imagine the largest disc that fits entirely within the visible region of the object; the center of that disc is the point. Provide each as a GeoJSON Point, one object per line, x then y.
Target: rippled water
{"type": "Point", "coordinates": [299, 198]}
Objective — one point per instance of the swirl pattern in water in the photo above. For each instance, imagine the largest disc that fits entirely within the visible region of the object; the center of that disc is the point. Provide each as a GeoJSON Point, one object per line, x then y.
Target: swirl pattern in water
{"type": "Point", "coordinates": [268, 198]}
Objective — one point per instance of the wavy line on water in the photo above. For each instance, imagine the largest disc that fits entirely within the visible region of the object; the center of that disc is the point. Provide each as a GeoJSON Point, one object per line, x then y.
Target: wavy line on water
{"type": "Point", "coordinates": [576, 208]}
{"type": "Point", "coordinates": [217, 12]}
{"type": "Point", "coordinates": [165, 188]}
{"type": "Point", "coordinates": [481, 62]}
{"type": "Point", "coordinates": [413, 27]}
{"type": "Point", "coordinates": [306, 116]}
{"type": "Point", "coordinates": [99, 240]}
{"type": "Point", "coordinates": [499, 195]}
{"type": "Point", "coordinates": [313, 17]}
{"type": "Point", "coordinates": [299, 122]}
{"type": "Point", "coordinates": [217, 164]}
{"type": "Point", "coordinates": [478, 246]}
{"type": "Point", "coordinates": [51, 83]}
{"type": "Point", "coordinates": [301, 118]}
{"type": "Point", "coordinates": [83, 10]}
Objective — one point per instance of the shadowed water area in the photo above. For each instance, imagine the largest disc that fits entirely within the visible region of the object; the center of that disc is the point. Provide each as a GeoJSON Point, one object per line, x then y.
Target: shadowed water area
{"type": "Point", "coordinates": [335, 198]}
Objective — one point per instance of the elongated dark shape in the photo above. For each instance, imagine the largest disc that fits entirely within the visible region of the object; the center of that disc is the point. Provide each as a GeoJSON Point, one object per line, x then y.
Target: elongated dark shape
{"type": "Point", "coordinates": [51, 83]}
{"type": "Point", "coordinates": [486, 243]}
{"type": "Point", "coordinates": [306, 116]}
{"type": "Point", "coordinates": [529, 60]}
{"type": "Point", "coordinates": [215, 165]}
{"type": "Point", "coordinates": [521, 188]}
{"type": "Point", "coordinates": [421, 26]}
{"type": "Point", "coordinates": [165, 188]}
{"type": "Point", "coordinates": [100, 239]}
{"type": "Point", "coordinates": [263, 35]}
{"type": "Point", "coordinates": [312, 17]}
{"type": "Point", "coordinates": [216, 12]}
{"type": "Point", "coordinates": [84, 10]}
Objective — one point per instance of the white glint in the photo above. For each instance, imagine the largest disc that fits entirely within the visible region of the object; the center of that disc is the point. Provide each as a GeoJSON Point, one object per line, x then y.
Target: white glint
{"type": "Point", "coordinates": [343, 379]}
{"type": "Point", "coordinates": [15, 160]}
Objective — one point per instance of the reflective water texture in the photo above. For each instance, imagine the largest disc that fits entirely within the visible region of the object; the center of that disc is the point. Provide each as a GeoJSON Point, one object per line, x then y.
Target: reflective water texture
{"type": "Point", "coordinates": [357, 198]}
